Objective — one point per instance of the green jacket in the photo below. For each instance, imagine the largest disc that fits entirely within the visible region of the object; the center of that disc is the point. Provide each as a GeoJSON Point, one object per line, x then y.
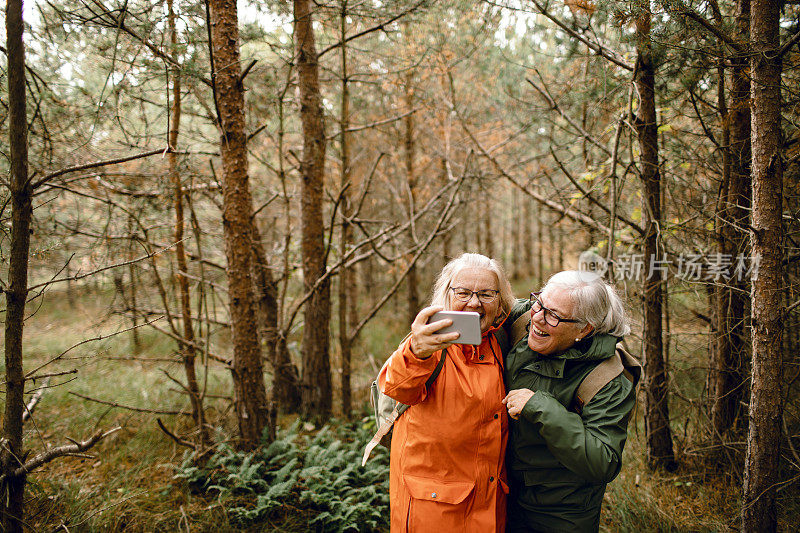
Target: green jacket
{"type": "Point", "coordinates": [560, 461]}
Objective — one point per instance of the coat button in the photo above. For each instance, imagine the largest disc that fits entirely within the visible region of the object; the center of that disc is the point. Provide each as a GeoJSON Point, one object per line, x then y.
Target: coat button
{"type": "Point", "coordinates": [495, 416]}
{"type": "Point", "coordinates": [433, 494]}
{"type": "Point", "coordinates": [557, 372]}
{"type": "Point", "coordinates": [480, 357]}
{"type": "Point", "coordinates": [536, 367]}
{"type": "Point", "coordinates": [491, 478]}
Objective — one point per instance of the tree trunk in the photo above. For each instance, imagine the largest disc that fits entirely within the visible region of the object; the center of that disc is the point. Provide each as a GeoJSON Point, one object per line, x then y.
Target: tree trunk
{"type": "Point", "coordinates": [766, 409]}
{"type": "Point", "coordinates": [729, 370]}
{"type": "Point", "coordinates": [516, 249]}
{"type": "Point", "coordinates": [527, 239]}
{"type": "Point", "coordinates": [345, 273]}
{"type": "Point", "coordinates": [11, 504]}
{"type": "Point", "coordinates": [488, 232]}
{"type": "Point", "coordinates": [657, 428]}
{"type": "Point", "coordinates": [187, 349]}
{"type": "Point", "coordinates": [285, 377]}
{"type": "Point", "coordinates": [411, 182]}
{"type": "Point", "coordinates": [285, 380]}
{"type": "Point", "coordinates": [539, 212]}
{"type": "Point", "coordinates": [316, 381]}
{"type": "Point", "coordinates": [248, 374]}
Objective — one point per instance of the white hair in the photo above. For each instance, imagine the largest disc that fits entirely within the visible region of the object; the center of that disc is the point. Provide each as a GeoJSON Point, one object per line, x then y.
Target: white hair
{"type": "Point", "coordinates": [441, 289]}
{"type": "Point", "coordinates": [595, 301]}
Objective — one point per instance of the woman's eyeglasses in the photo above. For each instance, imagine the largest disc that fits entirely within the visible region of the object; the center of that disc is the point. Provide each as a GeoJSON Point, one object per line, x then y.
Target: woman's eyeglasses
{"type": "Point", "coordinates": [485, 296]}
{"type": "Point", "coordinates": [550, 317]}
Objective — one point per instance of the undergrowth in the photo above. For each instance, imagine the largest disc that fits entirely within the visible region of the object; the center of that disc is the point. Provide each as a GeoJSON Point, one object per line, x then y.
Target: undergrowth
{"type": "Point", "coordinates": [318, 477]}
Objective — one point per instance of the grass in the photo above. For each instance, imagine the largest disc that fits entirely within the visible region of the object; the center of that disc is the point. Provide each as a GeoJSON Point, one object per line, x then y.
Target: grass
{"type": "Point", "coordinates": [127, 483]}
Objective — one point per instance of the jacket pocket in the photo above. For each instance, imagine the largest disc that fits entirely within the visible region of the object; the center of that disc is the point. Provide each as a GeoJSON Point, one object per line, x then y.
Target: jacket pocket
{"type": "Point", "coordinates": [434, 490]}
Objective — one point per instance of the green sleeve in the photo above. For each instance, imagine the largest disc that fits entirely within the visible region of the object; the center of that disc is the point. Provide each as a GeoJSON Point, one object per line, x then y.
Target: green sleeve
{"type": "Point", "coordinates": [590, 444]}
{"type": "Point", "coordinates": [522, 306]}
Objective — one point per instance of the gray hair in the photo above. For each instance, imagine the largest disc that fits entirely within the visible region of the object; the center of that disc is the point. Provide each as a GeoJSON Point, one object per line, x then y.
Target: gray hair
{"type": "Point", "coordinates": [441, 289]}
{"type": "Point", "coordinates": [595, 301]}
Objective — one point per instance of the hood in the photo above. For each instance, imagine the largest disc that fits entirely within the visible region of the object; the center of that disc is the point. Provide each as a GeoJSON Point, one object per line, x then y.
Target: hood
{"type": "Point", "coordinates": [592, 348]}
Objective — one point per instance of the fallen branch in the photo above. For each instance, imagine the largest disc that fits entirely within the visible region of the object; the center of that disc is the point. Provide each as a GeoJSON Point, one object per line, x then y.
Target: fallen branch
{"type": "Point", "coordinates": [60, 451]}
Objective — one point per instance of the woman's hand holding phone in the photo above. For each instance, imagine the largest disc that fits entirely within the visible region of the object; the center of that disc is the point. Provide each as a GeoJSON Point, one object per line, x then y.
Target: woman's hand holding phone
{"type": "Point", "coordinates": [424, 339]}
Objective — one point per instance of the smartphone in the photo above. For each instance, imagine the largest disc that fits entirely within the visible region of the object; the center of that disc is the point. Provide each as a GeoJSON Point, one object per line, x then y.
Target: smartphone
{"type": "Point", "coordinates": [467, 323]}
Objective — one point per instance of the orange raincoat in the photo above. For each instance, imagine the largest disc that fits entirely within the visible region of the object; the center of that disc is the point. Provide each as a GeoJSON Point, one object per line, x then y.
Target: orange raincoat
{"type": "Point", "coordinates": [446, 468]}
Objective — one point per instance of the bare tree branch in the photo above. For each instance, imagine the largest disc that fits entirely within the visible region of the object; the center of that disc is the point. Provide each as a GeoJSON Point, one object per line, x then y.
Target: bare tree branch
{"type": "Point", "coordinates": [60, 451]}
{"type": "Point", "coordinates": [596, 47]}
{"type": "Point", "coordinates": [108, 267]}
{"type": "Point", "coordinates": [96, 164]}
{"type": "Point", "coordinates": [31, 405]}
{"type": "Point", "coordinates": [174, 437]}
{"type": "Point", "coordinates": [381, 26]}
{"type": "Point", "coordinates": [129, 408]}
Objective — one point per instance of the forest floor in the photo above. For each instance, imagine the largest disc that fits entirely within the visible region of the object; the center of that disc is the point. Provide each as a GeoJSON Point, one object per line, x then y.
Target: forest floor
{"type": "Point", "coordinates": [127, 482]}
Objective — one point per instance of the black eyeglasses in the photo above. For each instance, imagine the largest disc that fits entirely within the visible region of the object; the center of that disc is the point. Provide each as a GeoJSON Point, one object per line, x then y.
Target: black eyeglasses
{"type": "Point", "coordinates": [550, 316]}
{"type": "Point", "coordinates": [485, 296]}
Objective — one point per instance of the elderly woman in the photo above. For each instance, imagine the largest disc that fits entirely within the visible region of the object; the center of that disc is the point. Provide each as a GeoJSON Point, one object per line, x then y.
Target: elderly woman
{"type": "Point", "coordinates": [448, 448]}
{"type": "Point", "coordinates": [560, 460]}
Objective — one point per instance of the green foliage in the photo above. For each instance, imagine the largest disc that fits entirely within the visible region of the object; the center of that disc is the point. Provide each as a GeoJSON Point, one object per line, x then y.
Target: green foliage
{"type": "Point", "coordinates": [319, 476]}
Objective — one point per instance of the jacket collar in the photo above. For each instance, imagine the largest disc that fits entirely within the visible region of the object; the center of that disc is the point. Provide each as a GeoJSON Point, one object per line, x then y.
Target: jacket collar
{"type": "Point", "coordinates": [591, 348]}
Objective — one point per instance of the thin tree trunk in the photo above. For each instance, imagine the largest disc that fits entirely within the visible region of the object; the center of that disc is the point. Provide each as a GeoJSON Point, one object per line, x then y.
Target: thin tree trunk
{"type": "Point", "coordinates": [187, 349]}
{"type": "Point", "coordinates": [11, 503]}
{"type": "Point", "coordinates": [729, 370]}
{"type": "Point", "coordinates": [539, 251]}
{"type": "Point", "coordinates": [132, 288]}
{"type": "Point", "coordinates": [527, 238]}
{"type": "Point", "coordinates": [411, 182]}
{"type": "Point", "coordinates": [560, 262]}
{"type": "Point", "coordinates": [762, 461]}
{"type": "Point", "coordinates": [516, 249]}
{"type": "Point", "coordinates": [285, 380]}
{"type": "Point", "coordinates": [657, 427]}
{"type": "Point", "coordinates": [250, 395]}
{"type": "Point", "coordinates": [345, 274]}
{"type": "Point", "coordinates": [488, 232]}
{"type": "Point", "coordinates": [316, 382]}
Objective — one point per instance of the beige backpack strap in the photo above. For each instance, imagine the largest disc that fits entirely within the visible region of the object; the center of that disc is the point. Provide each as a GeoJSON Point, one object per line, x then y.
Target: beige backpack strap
{"type": "Point", "coordinates": [621, 362]}
{"type": "Point", "coordinates": [386, 426]}
{"type": "Point", "coordinates": [633, 368]}
{"type": "Point", "coordinates": [519, 329]}
{"type": "Point", "coordinates": [597, 379]}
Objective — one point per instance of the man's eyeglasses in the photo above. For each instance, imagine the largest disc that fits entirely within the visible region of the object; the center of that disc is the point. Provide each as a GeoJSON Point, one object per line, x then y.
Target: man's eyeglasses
{"type": "Point", "coordinates": [551, 317]}
{"type": "Point", "coordinates": [485, 296]}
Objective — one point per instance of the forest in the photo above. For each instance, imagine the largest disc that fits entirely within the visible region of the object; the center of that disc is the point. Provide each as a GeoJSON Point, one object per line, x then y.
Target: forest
{"type": "Point", "coordinates": [219, 218]}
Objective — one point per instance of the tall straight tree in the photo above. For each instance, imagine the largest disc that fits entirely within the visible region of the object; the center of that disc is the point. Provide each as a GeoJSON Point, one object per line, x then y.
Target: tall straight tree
{"type": "Point", "coordinates": [766, 238]}
{"type": "Point", "coordinates": [11, 503]}
{"type": "Point", "coordinates": [658, 432]}
{"type": "Point", "coordinates": [409, 153]}
{"type": "Point", "coordinates": [187, 348]}
{"type": "Point", "coordinates": [347, 306]}
{"type": "Point", "coordinates": [730, 361]}
{"type": "Point", "coordinates": [250, 396]}
{"type": "Point", "coordinates": [316, 387]}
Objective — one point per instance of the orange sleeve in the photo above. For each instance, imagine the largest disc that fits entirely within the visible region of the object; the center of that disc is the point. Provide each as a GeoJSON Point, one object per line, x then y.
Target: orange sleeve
{"type": "Point", "coordinates": [404, 375]}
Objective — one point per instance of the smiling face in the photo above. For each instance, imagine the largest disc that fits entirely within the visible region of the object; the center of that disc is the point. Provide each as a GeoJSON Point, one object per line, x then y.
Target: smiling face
{"type": "Point", "coordinates": [476, 279]}
{"type": "Point", "coordinates": [549, 340]}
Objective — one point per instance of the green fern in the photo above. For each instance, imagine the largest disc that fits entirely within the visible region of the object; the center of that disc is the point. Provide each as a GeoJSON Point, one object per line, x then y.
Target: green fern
{"type": "Point", "coordinates": [318, 476]}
